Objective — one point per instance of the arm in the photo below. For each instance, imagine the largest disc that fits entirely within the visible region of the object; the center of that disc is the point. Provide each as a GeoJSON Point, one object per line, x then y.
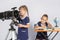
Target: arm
{"type": "Point", "coordinates": [49, 25]}
{"type": "Point", "coordinates": [26, 22]}
{"type": "Point", "coordinates": [25, 26]}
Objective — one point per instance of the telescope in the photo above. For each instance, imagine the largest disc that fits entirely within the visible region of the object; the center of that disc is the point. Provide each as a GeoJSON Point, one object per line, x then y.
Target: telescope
{"type": "Point", "coordinates": [9, 14]}
{"type": "Point", "coordinates": [13, 15]}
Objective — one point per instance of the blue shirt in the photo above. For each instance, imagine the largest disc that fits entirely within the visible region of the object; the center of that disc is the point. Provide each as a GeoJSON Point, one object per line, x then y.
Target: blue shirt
{"type": "Point", "coordinates": [23, 32]}
{"type": "Point", "coordinates": [39, 33]}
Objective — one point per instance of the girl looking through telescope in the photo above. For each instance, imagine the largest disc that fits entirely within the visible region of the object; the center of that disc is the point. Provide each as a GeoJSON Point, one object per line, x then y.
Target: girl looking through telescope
{"type": "Point", "coordinates": [23, 23]}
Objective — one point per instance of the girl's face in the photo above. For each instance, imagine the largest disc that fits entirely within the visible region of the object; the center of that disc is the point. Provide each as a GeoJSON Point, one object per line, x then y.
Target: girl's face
{"type": "Point", "coordinates": [22, 12]}
{"type": "Point", "coordinates": [44, 19]}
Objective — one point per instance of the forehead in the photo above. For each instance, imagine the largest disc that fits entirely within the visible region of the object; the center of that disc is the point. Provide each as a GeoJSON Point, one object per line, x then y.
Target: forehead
{"type": "Point", "coordinates": [23, 8]}
{"type": "Point", "coordinates": [44, 17]}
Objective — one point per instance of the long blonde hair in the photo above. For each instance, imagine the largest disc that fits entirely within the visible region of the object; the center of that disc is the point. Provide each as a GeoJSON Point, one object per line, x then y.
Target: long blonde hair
{"type": "Point", "coordinates": [25, 7]}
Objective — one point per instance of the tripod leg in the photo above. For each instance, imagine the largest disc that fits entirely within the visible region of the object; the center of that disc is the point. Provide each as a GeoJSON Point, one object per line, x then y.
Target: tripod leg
{"type": "Point", "coordinates": [15, 33]}
{"type": "Point", "coordinates": [14, 37]}
{"type": "Point", "coordinates": [7, 35]}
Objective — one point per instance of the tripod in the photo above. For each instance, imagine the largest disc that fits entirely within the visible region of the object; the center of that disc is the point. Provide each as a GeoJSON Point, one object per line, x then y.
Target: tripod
{"type": "Point", "coordinates": [13, 32]}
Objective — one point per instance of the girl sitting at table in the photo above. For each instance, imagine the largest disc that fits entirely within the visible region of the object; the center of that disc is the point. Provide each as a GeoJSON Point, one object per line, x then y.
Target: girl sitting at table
{"type": "Point", "coordinates": [44, 24]}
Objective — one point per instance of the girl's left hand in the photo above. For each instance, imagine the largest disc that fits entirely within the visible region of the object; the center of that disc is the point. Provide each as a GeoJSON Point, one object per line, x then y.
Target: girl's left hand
{"type": "Point", "coordinates": [20, 25]}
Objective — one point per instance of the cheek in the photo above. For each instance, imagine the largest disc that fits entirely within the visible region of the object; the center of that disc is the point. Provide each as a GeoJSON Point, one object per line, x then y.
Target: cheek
{"type": "Point", "coordinates": [45, 19]}
{"type": "Point", "coordinates": [23, 12]}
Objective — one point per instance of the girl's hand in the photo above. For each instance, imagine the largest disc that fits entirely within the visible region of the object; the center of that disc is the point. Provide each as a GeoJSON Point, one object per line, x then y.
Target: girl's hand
{"type": "Point", "coordinates": [20, 25]}
{"type": "Point", "coordinates": [24, 26]}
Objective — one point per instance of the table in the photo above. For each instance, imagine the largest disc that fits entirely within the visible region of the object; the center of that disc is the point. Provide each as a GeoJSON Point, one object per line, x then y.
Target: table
{"type": "Point", "coordinates": [55, 29]}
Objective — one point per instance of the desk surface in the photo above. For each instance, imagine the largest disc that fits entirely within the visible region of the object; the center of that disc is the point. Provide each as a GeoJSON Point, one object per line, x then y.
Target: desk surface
{"type": "Point", "coordinates": [48, 30]}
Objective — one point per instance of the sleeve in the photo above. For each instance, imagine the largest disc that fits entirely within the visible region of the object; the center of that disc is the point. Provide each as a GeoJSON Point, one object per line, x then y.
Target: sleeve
{"type": "Point", "coordinates": [27, 20]}
{"type": "Point", "coordinates": [39, 23]}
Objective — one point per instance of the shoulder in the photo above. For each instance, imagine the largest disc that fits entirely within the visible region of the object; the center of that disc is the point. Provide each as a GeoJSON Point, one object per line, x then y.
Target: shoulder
{"type": "Point", "coordinates": [39, 23]}
{"type": "Point", "coordinates": [27, 18]}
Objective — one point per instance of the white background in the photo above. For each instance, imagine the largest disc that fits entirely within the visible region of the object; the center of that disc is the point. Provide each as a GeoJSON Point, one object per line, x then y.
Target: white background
{"type": "Point", "coordinates": [36, 9]}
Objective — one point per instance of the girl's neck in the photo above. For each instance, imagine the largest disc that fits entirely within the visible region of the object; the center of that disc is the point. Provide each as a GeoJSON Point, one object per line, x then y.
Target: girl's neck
{"type": "Point", "coordinates": [42, 21]}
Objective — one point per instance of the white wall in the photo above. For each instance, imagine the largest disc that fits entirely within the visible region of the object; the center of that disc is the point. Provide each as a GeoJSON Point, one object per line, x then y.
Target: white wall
{"type": "Point", "coordinates": [36, 9]}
